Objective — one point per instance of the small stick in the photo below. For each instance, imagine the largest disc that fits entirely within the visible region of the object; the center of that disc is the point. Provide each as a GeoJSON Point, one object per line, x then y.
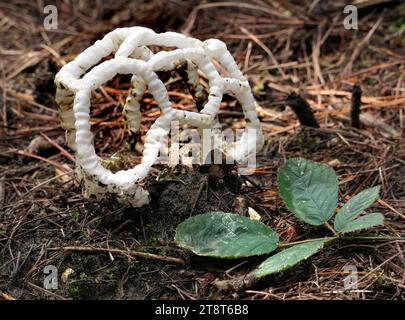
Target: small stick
{"type": "Point", "coordinates": [356, 104]}
{"type": "Point", "coordinates": [4, 97]}
{"type": "Point", "coordinates": [237, 284]}
{"type": "Point", "coordinates": [6, 296]}
{"type": "Point", "coordinates": [143, 255]}
{"type": "Point", "coordinates": [2, 193]}
{"type": "Point", "coordinates": [29, 154]}
{"type": "Point", "coordinates": [253, 183]}
{"type": "Point", "coordinates": [202, 184]}
{"type": "Point", "coordinates": [46, 182]}
{"type": "Point", "coordinates": [302, 109]}
{"type": "Point", "coordinates": [57, 146]}
{"type": "Point", "coordinates": [383, 203]}
{"type": "Point", "coordinates": [53, 294]}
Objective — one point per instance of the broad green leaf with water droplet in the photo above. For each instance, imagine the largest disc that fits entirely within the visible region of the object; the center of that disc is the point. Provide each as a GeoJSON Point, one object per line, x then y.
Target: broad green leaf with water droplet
{"type": "Point", "coordinates": [309, 189]}
{"type": "Point", "coordinates": [288, 258]}
{"type": "Point", "coordinates": [355, 206]}
{"type": "Point", "coordinates": [226, 235]}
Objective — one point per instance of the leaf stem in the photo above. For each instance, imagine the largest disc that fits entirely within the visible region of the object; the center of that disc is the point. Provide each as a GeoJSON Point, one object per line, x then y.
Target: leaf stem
{"type": "Point", "coordinates": [373, 238]}
{"type": "Point", "coordinates": [289, 244]}
{"type": "Point", "coordinates": [329, 239]}
{"type": "Point", "coordinates": [330, 228]}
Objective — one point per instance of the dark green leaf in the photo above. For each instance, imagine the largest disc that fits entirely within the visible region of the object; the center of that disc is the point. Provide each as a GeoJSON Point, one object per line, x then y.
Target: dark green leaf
{"type": "Point", "coordinates": [355, 206]}
{"type": "Point", "coordinates": [309, 189]}
{"type": "Point", "coordinates": [225, 235]}
{"type": "Point", "coordinates": [364, 222]}
{"type": "Point", "coordinates": [288, 257]}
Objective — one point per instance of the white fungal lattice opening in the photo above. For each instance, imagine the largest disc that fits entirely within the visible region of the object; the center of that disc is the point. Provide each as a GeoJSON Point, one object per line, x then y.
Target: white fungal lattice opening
{"type": "Point", "coordinates": [75, 82]}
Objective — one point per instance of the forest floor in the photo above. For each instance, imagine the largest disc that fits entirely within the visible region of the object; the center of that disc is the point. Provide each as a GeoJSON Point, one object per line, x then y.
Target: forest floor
{"type": "Point", "coordinates": [282, 47]}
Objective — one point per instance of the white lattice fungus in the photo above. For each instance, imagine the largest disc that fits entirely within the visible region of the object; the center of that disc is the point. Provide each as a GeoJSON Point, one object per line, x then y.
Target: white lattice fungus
{"type": "Point", "coordinates": [75, 82]}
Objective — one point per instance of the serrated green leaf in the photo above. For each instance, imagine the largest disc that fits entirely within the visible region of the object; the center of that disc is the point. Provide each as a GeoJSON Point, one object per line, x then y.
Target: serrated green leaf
{"type": "Point", "coordinates": [309, 189]}
{"type": "Point", "coordinates": [364, 222]}
{"type": "Point", "coordinates": [226, 235]}
{"type": "Point", "coordinates": [355, 206]}
{"type": "Point", "coordinates": [288, 257]}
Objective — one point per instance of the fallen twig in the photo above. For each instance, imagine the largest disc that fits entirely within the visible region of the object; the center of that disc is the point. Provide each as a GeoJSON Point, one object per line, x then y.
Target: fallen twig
{"type": "Point", "coordinates": [137, 254]}
{"type": "Point", "coordinates": [6, 296]}
{"type": "Point", "coordinates": [356, 103]}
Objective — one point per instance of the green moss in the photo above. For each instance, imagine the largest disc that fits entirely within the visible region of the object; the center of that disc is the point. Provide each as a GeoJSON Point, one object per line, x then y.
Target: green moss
{"type": "Point", "coordinates": [365, 63]}
{"type": "Point", "coordinates": [161, 176]}
{"type": "Point", "coordinates": [307, 143]}
{"type": "Point", "coordinates": [398, 25]}
{"type": "Point", "coordinates": [150, 228]}
{"type": "Point", "coordinates": [261, 86]}
{"type": "Point", "coordinates": [95, 277]}
{"type": "Point", "coordinates": [139, 266]}
{"type": "Point", "coordinates": [76, 215]}
{"type": "Point", "coordinates": [163, 252]}
{"type": "Point", "coordinates": [385, 282]}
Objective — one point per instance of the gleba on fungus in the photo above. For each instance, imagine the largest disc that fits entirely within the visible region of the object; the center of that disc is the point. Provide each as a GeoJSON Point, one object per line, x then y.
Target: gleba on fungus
{"type": "Point", "coordinates": [76, 80]}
